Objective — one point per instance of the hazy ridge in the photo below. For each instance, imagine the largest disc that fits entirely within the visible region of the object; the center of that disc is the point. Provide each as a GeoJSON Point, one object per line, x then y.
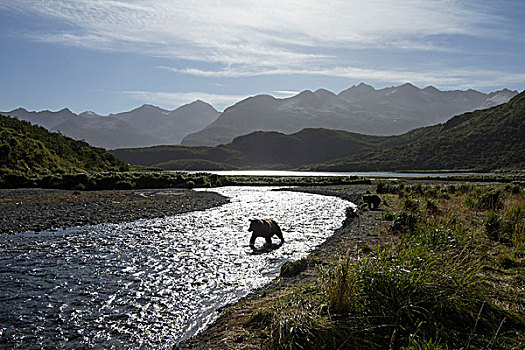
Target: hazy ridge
{"type": "Point", "coordinates": [144, 126]}
{"type": "Point", "coordinates": [481, 140]}
{"type": "Point", "coordinates": [361, 109]}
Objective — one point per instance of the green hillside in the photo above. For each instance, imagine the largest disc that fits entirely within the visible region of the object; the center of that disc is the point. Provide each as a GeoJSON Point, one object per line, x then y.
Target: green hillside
{"type": "Point", "coordinates": [32, 150]}
{"type": "Point", "coordinates": [481, 140]}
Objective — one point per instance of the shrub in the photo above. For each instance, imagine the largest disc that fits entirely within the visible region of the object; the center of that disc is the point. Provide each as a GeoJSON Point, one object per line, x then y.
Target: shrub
{"type": "Point", "coordinates": [432, 207]}
{"type": "Point", "coordinates": [293, 268]}
{"type": "Point", "coordinates": [491, 199]}
{"type": "Point", "coordinates": [386, 187]}
{"type": "Point", "coordinates": [493, 224]}
{"type": "Point", "coordinates": [410, 205]}
{"type": "Point", "coordinates": [405, 222]}
{"type": "Point", "coordinates": [412, 291]}
{"type": "Point", "coordinates": [513, 188]}
{"type": "Point", "coordinates": [388, 216]}
{"type": "Point", "coordinates": [508, 227]}
{"type": "Point", "coordinates": [341, 286]}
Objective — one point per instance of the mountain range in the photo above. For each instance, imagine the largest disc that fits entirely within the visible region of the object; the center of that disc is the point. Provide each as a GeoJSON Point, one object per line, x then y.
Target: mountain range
{"type": "Point", "coordinates": [488, 139]}
{"type": "Point", "coordinates": [144, 126]}
{"type": "Point", "coordinates": [361, 109]}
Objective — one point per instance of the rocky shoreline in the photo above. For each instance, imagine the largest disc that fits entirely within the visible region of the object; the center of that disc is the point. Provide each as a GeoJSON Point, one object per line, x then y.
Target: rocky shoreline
{"type": "Point", "coordinates": [44, 209]}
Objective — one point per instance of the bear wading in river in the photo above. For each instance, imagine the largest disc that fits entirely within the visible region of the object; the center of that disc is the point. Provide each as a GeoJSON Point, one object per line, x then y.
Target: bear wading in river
{"type": "Point", "coordinates": [373, 200]}
{"type": "Point", "coordinates": [265, 228]}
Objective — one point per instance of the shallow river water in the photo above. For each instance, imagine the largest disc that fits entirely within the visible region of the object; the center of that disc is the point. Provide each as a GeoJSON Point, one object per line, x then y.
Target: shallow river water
{"type": "Point", "coordinates": [149, 283]}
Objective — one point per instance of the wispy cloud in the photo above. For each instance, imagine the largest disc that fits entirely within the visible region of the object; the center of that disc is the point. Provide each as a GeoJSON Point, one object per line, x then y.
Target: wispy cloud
{"type": "Point", "coordinates": [250, 38]}
{"type": "Point", "coordinates": [285, 93]}
{"type": "Point", "coordinates": [176, 99]}
{"type": "Point", "coordinates": [258, 34]}
{"type": "Point", "coordinates": [458, 78]}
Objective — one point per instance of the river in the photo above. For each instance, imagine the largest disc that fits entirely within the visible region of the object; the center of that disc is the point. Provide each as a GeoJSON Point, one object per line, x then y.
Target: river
{"type": "Point", "coordinates": [149, 283]}
{"type": "Point", "coordinates": [369, 174]}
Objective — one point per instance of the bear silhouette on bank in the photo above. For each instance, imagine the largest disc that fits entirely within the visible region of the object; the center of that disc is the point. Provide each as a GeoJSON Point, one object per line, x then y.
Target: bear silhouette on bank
{"type": "Point", "coordinates": [373, 201]}
{"type": "Point", "coordinates": [265, 228]}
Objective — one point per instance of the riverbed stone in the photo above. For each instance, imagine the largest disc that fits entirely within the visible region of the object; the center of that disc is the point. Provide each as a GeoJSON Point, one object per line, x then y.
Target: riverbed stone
{"type": "Point", "coordinates": [43, 209]}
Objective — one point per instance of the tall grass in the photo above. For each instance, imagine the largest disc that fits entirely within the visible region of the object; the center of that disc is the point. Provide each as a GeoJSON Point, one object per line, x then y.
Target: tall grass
{"type": "Point", "coordinates": [437, 286]}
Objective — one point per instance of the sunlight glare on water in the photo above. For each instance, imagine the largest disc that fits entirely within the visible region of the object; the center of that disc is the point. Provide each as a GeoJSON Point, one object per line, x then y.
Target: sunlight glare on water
{"type": "Point", "coordinates": [149, 283]}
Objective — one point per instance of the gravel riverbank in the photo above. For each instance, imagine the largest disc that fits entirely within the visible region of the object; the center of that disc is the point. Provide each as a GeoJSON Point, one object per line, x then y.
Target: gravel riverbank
{"type": "Point", "coordinates": [42, 209]}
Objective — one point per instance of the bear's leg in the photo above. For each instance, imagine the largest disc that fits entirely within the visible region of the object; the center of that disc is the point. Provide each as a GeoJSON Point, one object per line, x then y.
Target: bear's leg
{"type": "Point", "coordinates": [268, 240]}
{"type": "Point", "coordinates": [252, 240]}
{"type": "Point", "coordinates": [280, 235]}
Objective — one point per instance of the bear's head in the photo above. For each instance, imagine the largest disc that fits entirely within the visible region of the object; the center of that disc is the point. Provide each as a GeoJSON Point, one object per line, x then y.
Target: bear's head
{"type": "Point", "coordinates": [254, 224]}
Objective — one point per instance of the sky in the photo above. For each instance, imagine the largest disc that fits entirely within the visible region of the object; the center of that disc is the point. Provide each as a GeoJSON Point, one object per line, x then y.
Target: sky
{"type": "Point", "coordinates": [110, 56]}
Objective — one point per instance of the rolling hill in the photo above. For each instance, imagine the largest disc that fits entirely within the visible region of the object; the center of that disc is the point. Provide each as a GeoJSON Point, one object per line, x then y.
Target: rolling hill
{"type": "Point", "coordinates": [29, 149]}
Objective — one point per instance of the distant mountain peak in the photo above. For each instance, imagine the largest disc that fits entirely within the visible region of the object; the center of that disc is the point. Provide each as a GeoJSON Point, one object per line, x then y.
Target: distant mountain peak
{"type": "Point", "coordinates": [505, 90]}
{"type": "Point", "coordinates": [143, 108]}
{"type": "Point", "coordinates": [431, 88]}
{"type": "Point", "coordinates": [148, 106]}
{"type": "Point", "coordinates": [20, 109]}
{"type": "Point", "coordinates": [197, 106]}
{"type": "Point", "coordinates": [324, 93]}
{"type": "Point", "coordinates": [408, 86]}
{"type": "Point", "coordinates": [362, 85]}
{"type": "Point", "coordinates": [89, 114]}
{"type": "Point", "coordinates": [199, 102]}
{"type": "Point", "coordinates": [256, 98]}
{"type": "Point", "coordinates": [305, 93]}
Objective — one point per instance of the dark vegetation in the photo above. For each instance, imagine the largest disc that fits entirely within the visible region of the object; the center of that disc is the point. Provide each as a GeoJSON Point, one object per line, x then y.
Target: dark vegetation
{"type": "Point", "coordinates": [292, 180]}
{"type": "Point", "coordinates": [26, 149]}
{"type": "Point", "coordinates": [160, 179]}
{"type": "Point", "coordinates": [479, 141]}
{"type": "Point", "coordinates": [111, 180]}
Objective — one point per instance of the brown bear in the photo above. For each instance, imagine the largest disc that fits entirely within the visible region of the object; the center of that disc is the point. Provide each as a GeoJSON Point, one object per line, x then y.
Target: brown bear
{"type": "Point", "coordinates": [264, 228]}
{"type": "Point", "coordinates": [373, 200]}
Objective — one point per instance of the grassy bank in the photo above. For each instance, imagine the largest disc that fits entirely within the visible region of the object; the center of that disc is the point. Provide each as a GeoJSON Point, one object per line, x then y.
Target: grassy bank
{"type": "Point", "coordinates": [444, 268]}
{"type": "Point", "coordinates": [159, 179]}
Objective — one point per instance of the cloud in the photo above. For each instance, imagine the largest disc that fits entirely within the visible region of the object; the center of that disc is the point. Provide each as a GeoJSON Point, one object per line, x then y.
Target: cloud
{"type": "Point", "coordinates": [176, 99]}
{"type": "Point", "coordinates": [249, 38]}
{"type": "Point", "coordinates": [271, 33]}
{"type": "Point", "coordinates": [448, 78]}
{"type": "Point", "coordinates": [286, 93]}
